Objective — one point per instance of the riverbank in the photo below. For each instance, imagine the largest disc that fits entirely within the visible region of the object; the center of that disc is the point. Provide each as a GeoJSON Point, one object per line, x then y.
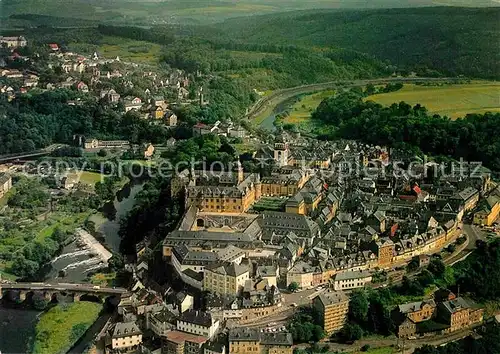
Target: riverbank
{"type": "Point", "coordinates": [60, 327]}
{"type": "Point", "coordinates": [20, 322]}
{"type": "Point", "coordinates": [264, 107]}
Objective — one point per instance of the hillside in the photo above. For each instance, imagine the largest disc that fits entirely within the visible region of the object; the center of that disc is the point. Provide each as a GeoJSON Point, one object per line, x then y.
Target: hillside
{"type": "Point", "coordinates": [148, 12]}
{"type": "Point", "coordinates": [450, 40]}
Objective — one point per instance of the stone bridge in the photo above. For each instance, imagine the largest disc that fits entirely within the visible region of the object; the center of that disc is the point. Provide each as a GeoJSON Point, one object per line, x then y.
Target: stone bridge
{"type": "Point", "coordinates": [50, 290]}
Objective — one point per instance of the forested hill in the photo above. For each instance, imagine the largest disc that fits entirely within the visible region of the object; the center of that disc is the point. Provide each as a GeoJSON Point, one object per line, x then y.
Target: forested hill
{"type": "Point", "coordinates": [450, 40]}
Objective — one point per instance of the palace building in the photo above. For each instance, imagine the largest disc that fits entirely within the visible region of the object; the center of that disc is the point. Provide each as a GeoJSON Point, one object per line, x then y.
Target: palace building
{"type": "Point", "coordinates": [219, 191]}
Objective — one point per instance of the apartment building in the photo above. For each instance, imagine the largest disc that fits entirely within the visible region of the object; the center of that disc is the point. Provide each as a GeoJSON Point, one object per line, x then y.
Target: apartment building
{"type": "Point", "coordinates": [333, 307]}
{"type": "Point", "coordinates": [225, 278]}
{"type": "Point", "coordinates": [249, 340]}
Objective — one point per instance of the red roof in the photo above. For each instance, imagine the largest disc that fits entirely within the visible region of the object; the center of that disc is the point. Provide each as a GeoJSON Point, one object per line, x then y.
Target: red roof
{"type": "Point", "coordinates": [407, 197]}
{"type": "Point", "coordinates": [417, 189]}
{"type": "Point", "coordinates": [53, 46]}
{"type": "Point", "coordinates": [394, 228]}
{"type": "Point", "coordinates": [201, 125]}
{"type": "Point", "coordinates": [180, 337]}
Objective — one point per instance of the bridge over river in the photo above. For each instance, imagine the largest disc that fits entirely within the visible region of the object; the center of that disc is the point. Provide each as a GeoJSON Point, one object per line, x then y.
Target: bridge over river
{"type": "Point", "coordinates": [49, 290]}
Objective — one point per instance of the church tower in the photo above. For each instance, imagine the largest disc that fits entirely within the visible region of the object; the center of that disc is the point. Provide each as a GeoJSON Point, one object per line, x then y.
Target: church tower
{"type": "Point", "coordinates": [241, 175]}
{"type": "Point", "coordinates": [281, 151]}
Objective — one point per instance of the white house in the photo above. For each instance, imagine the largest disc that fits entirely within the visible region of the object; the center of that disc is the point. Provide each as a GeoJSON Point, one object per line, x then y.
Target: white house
{"type": "Point", "coordinates": [126, 336]}
{"type": "Point", "coordinates": [352, 280]}
{"type": "Point", "coordinates": [199, 323]}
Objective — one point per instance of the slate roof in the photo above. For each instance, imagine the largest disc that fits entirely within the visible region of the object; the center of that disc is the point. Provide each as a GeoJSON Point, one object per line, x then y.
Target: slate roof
{"type": "Point", "coordinates": [127, 329]}
{"type": "Point", "coordinates": [200, 318]}
{"type": "Point", "coordinates": [231, 269]}
{"type": "Point", "coordinates": [333, 297]}
{"type": "Point", "coordinates": [415, 306]}
{"type": "Point", "coordinates": [466, 194]}
{"type": "Point", "coordinates": [452, 306]}
{"type": "Point", "coordinates": [279, 222]}
{"type": "Point", "coordinates": [186, 256]}
{"type": "Point", "coordinates": [276, 338]}
{"type": "Point", "coordinates": [352, 275]}
{"type": "Point", "coordinates": [242, 334]}
{"type": "Point", "coordinates": [266, 271]}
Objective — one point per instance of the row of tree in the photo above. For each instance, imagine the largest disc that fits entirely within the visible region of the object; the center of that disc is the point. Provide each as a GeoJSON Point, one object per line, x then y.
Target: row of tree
{"type": "Point", "coordinates": [474, 138]}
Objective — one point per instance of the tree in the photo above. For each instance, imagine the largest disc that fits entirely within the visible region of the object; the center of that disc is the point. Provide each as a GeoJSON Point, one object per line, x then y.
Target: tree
{"type": "Point", "coordinates": [293, 287]}
{"type": "Point", "coordinates": [102, 153]}
{"type": "Point", "coordinates": [116, 262]}
{"type": "Point", "coordinates": [358, 306]}
{"type": "Point", "coordinates": [412, 265]}
{"type": "Point", "coordinates": [436, 267]}
{"type": "Point", "coordinates": [58, 235]}
{"type": "Point", "coordinates": [318, 333]}
{"type": "Point", "coordinates": [77, 331]}
{"type": "Point", "coordinates": [351, 332]}
{"type": "Point", "coordinates": [90, 226]}
{"type": "Point", "coordinates": [23, 267]}
{"type": "Point", "coordinates": [370, 89]}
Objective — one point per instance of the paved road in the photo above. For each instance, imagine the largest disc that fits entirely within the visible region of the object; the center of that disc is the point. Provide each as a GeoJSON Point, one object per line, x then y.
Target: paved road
{"type": "Point", "coordinates": [281, 95]}
{"type": "Point", "coordinates": [409, 345]}
{"type": "Point", "coordinates": [474, 233]}
{"type": "Point", "coordinates": [36, 153]}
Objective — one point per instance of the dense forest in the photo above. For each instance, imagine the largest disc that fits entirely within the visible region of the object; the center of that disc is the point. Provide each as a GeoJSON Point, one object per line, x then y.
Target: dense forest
{"type": "Point", "coordinates": [474, 138]}
{"type": "Point", "coordinates": [451, 41]}
{"type": "Point", "coordinates": [37, 120]}
{"type": "Point", "coordinates": [266, 64]}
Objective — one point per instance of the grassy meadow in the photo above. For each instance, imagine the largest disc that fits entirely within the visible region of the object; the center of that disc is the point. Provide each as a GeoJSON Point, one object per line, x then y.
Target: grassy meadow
{"type": "Point", "coordinates": [302, 109]}
{"type": "Point", "coordinates": [87, 177]}
{"type": "Point", "coordinates": [60, 327]}
{"type": "Point", "coordinates": [110, 47]}
{"type": "Point", "coordinates": [453, 101]}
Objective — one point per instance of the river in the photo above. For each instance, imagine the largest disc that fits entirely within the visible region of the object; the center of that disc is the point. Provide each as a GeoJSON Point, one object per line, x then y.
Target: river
{"type": "Point", "coordinates": [75, 261]}
{"type": "Point", "coordinates": [267, 123]}
{"type": "Point", "coordinates": [17, 329]}
{"type": "Point", "coordinates": [17, 324]}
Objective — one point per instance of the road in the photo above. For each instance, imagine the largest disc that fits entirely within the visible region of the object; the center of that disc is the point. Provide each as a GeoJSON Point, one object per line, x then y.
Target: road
{"type": "Point", "coordinates": [281, 95]}
{"type": "Point", "coordinates": [28, 154]}
{"type": "Point", "coordinates": [409, 345]}
{"type": "Point", "coordinates": [474, 233]}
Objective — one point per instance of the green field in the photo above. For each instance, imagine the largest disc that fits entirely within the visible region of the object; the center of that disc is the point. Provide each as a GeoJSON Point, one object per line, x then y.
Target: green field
{"type": "Point", "coordinates": [301, 111]}
{"type": "Point", "coordinates": [110, 47]}
{"type": "Point", "coordinates": [60, 327]}
{"type": "Point", "coordinates": [199, 11]}
{"type": "Point", "coordinates": [129, 50]}
{"type": "Point", "coordinates": [90, 178]}
{"type": "Point", "coordinates": [450, 100]}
